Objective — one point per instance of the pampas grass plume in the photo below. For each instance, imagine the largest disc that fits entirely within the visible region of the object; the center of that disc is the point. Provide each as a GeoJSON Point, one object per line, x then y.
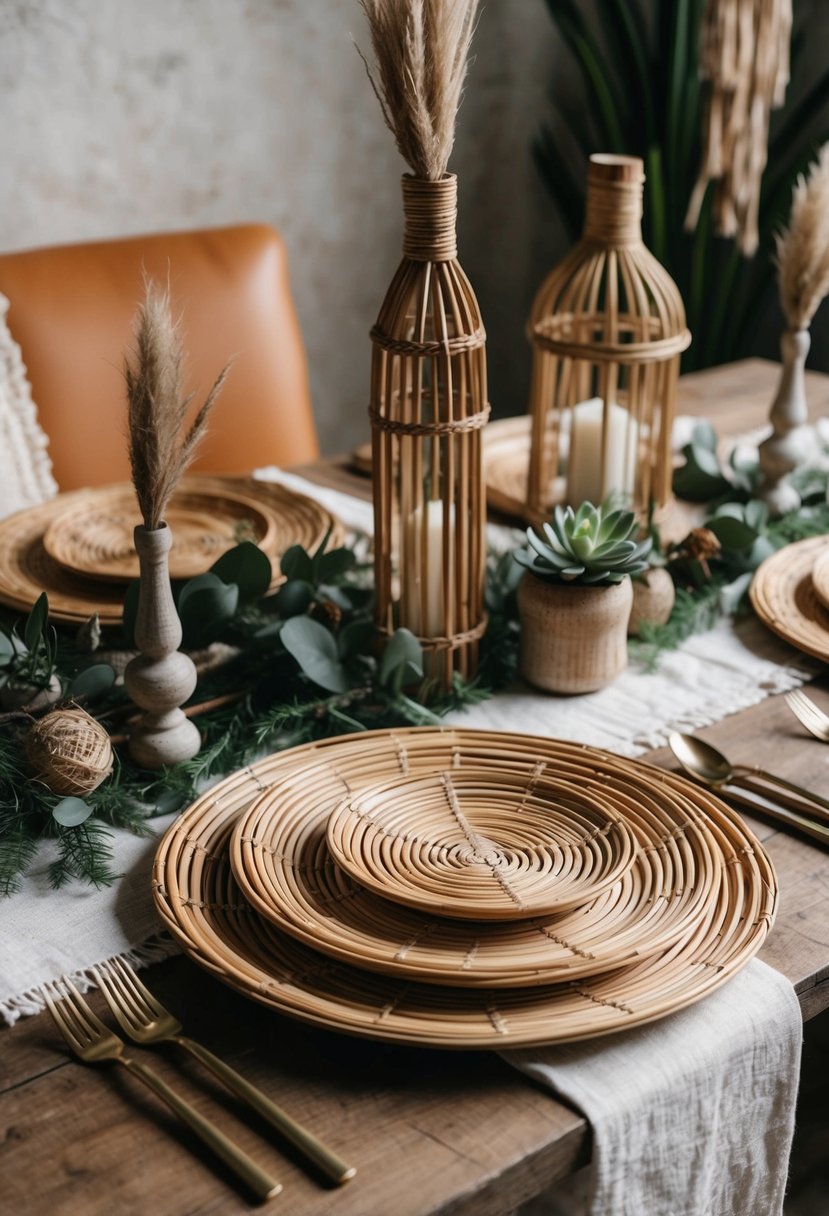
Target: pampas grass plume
{"type": "Point", "coordinates": [421, 51]}
{"type": "Point", "coordinates": [157, 405]}
{"type": "Point", "coordinates": [803, 247]}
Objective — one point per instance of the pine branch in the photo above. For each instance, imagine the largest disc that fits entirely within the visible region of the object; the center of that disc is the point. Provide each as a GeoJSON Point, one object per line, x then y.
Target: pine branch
{"type": "Point", "coordinates": [85, 853]}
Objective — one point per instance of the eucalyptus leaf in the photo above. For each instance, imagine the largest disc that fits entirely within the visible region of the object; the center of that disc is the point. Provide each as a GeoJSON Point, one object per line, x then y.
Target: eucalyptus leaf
{"type": "Point", "coordinates": [70, 812]}
{"type": "Point", "coordinates": [246, 566]}
{"type": "Point", "coordinates": [401, 649]}
{"type": "Point", "coordinates": [732, 593]}
{"type": "Point", "coordinates": [205, 607]}
{"type": "Point", "coordinates": [334, 563]}
{"type": "Point", "coordinates": [92, 682]}
{"type": "Point", "coordinates": [732, 533]}
{"type": "Point", "coordinates": [704, 436]}
{"type": "Point", "coordinates": [756, 514]}
{"type": "Point", "coordinates": [295, 563]}
{"type": "Point", "coordinates": [700, 478]}
{"type": "Point", "coordinates": [293, 598]}
{"type": "Point", "coordinates": [355, 638]}
{"type": "Point", "coordinates": [315, 650]}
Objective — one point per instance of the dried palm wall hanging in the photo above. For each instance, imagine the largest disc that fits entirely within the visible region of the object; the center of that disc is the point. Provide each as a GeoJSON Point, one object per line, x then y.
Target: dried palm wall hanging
{"type": "Point", "coordinates": [744, 58]}
{"type": "Point", "coordinates": [428, 374]}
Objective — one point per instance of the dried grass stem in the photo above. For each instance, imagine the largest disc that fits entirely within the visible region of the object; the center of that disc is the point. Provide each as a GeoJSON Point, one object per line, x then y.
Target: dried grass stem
{"type": "Point", "coordinates": [157, 406]}
{"type": "Point", "coordinates": [803, 247]}
{"type": "Point", "coordinates": [421, 52]}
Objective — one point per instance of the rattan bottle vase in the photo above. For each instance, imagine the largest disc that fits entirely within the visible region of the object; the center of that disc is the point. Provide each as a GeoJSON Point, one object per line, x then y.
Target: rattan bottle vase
{"type": "Point", "coordinates": [428, 405]}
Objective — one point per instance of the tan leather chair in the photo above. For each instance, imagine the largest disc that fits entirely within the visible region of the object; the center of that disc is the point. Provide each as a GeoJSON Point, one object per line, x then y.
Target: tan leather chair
{"type": "Point", "coordinates": [71, 311]}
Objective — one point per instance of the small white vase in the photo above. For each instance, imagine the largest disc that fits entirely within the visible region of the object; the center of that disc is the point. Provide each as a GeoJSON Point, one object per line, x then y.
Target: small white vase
{"type": "Point", "coordinates": [573, 638]}
{"type": "Point", "coordinates": [160, 678]}
{"type": "Point", "coordinates": [792, 439]}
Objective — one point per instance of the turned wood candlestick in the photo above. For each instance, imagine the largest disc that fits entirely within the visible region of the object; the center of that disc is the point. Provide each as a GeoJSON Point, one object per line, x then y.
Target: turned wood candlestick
{"type": "Point", "coordinates": [791, 440]}
{"type": "Point", "coordinates": [160, 678]}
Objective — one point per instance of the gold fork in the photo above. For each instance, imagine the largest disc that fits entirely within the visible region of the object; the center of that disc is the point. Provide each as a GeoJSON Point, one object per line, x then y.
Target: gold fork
{"type": "Point", "coordinates": [93, 1043]}
{"type": "Point", "coordinates": [145, 1020]}
{"type": "Point", "coordinates": [805, 710]}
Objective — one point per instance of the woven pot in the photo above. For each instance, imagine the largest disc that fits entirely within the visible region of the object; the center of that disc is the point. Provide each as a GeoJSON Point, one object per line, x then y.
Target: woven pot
{"type": "Point", "coordinates": [573, 638]}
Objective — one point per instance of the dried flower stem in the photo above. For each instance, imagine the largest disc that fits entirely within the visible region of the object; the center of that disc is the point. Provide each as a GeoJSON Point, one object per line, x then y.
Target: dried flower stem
{"type": "Point", "coordinates": [157, 406]}
{"type": "Point", "coordinates": [421, 50]}
{"type": "Point", "coordinates": [803, 247]}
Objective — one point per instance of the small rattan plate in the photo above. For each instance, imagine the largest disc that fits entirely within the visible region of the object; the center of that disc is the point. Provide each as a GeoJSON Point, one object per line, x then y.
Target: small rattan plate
{"type": "Point", "coordinates": [784, 597]}
{"type": "Point", "coordinates": [281, 861]}
{"type": "Point", "coordinates": [485, 845]}
{"type": "Point", "coordinates": [201, 904]}
{"type": "Point", "coordinates": [26, 569]}
{"type": "Point", "coordinates": [94, 538]}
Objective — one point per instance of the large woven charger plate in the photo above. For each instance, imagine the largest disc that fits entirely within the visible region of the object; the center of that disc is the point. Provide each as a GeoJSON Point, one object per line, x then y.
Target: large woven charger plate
{"type": "Point", "coordinates": [783, 596]}
{"type": "Point", "coordinates": [281, 860]}
{"type": "Point", "coordinates": [94, 539]}
{"type": "Point", "coordinates": [200, 902]}
{"type": "Point", "coordinates": [26, 569]}
{"type": "Point", "coordinates": [481, 844]}
{"type": "Point", "coordinates": [820, 574]}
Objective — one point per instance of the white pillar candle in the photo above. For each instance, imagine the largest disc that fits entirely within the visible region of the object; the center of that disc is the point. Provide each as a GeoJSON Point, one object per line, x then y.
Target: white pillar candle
{"type": "Point", "coordinates": [586, 478]}
{"type": "Point", "coordinates": [422, 574]}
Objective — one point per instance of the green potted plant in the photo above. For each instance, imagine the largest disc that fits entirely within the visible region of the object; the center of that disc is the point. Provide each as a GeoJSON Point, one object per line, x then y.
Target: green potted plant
{"type": "Point", "coordinates": [28, 678]}
{"type": "Point", "coordinates": [575, 598]}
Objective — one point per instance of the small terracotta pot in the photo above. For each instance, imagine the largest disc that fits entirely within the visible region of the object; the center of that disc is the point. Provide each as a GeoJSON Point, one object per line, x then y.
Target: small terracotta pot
{"type": "Point", "coordinates": [573, 638]}
{"type": "Point", "coordinates": [653, 600]}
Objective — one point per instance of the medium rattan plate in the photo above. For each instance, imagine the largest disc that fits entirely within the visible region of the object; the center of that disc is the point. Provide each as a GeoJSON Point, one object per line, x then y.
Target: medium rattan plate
{"type": "Point", "coordinates": [481, 845]}
{"type": "Point", "coordinates": [281, 861]}
{"type": "Point", "coordinates": [783, 596]}
{"type": "Point", "coordinates": [26, 569]}
{"type": "Point", "coordinates": [94, 538]}
{"type": "Point", "coordinates": [202, 905]}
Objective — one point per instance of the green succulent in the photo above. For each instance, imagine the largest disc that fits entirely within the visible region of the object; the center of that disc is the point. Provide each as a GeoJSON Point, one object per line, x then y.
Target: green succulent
{"type": "Point", "coordinates": [593, 545]}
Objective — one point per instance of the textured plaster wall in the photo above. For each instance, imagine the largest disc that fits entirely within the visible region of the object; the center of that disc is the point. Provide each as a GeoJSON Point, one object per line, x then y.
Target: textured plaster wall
{"type": "Point", "coordinates": [128, 116]}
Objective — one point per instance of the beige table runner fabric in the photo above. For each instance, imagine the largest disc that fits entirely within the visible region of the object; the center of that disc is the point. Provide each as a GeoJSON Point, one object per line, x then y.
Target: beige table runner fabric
{"type": "Point", "coordinates": [45, 933]}
{"type": "Point", "coordinates": [694, 1115]}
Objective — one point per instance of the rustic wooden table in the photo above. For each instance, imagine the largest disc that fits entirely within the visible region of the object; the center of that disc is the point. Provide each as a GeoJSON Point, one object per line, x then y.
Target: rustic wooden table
{"type": "Point", "coordinates": [454, 1134]}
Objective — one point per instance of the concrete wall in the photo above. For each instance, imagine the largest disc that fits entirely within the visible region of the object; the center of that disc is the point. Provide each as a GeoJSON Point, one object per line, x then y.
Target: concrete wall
{"type": "Point", "coordinates": [128, 116]}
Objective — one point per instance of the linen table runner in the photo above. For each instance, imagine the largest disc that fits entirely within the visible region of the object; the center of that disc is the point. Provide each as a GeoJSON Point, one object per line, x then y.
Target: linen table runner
{"type": "Point", "coordinates": [694, 1115]}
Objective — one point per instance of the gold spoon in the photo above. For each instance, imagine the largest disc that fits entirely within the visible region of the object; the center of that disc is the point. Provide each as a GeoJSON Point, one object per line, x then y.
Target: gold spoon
{"type": "Point", "coordinates": [710, 767]}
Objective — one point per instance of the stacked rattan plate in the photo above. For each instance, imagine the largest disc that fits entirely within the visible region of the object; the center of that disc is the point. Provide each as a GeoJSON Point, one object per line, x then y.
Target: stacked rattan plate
{"type": "Point", "coordinates": [247, 881]}
{"type": "Point", "coordinates": [790, 594]}
{"type": "Point", "coordinates": [77, 547]}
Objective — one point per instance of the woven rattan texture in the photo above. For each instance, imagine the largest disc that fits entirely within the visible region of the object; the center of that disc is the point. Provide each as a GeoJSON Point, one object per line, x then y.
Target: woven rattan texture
{"type": "Point", "coordinates": [26, 569]}
{"type": "Point", "coordinates": [282, 863]}
{"type": "Point", "coordinates": [202, 905]}
{"type": "Point", "coordinates": [784, 597]}
{"type": "Point", "coordinates": [94, 539]}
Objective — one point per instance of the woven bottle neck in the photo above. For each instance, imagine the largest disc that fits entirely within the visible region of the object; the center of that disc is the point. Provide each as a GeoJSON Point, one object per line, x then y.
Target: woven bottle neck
{"type": "Point", "coordinates": [430, 211]}
{"type": "Point", "coordinates": [613, 211]}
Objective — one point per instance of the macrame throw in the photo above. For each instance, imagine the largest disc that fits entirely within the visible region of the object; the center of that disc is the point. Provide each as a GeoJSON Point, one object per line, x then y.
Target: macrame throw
{"type": "Point", "coordinates": [744, 58]}
{"type": "Point", "coordinates": [25, 468]}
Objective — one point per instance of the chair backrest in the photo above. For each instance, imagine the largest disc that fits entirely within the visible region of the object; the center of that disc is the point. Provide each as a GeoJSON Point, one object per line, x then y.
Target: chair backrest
{"type": "Point", "coordinates": [71, 310]}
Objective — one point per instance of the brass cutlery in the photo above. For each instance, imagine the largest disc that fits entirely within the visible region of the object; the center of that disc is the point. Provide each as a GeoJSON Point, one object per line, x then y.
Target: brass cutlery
{"type": "Point", "coordinates": [146, 1021]}
{"type": "Point", "coordinates": [710, 767]}
{"type": "Point", "coordinates": [93, 1043]}
{"type": "Point", "coordinates": [809, 714]}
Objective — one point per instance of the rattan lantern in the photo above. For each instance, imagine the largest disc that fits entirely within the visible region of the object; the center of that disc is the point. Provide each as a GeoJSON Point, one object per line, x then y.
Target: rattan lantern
{"type": "Point", "coordinates": [607, 329]}
{"type": "Point", "coordinates": [428, 405]}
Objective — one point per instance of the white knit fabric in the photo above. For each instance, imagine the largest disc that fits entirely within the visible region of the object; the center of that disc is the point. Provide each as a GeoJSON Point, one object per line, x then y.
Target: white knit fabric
{"type": "Point", "coordinates": [25, 468]}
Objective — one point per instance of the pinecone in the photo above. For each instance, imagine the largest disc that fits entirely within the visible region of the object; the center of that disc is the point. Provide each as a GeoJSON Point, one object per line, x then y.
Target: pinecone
{"type": "Point", "coordinates": [327, 613]}
{"type": "Point", "coordinates": [699, 546]}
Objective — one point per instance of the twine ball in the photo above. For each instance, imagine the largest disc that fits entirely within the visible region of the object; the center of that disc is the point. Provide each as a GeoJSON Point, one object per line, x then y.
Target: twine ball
{"type": "Point", "coordinates": [69, 752]}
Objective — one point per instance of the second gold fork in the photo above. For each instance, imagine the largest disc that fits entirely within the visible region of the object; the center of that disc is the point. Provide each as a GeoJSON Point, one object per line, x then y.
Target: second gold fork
{"type": "Point", "coordinates": [146, 1021]}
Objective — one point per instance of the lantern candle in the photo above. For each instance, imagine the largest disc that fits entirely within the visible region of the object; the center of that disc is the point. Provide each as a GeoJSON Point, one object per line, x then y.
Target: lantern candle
{"type": "Point", "coordinates": [422, 607]}
{"type": "Point", "coordinates": [589, 478]}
